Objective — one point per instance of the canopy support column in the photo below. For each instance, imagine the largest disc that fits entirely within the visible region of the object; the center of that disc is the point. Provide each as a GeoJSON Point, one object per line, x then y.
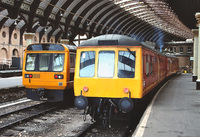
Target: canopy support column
{"type": "Point", "coordinates": [195, 53]}
{"type": "Point", "coordinates": [197, 16]}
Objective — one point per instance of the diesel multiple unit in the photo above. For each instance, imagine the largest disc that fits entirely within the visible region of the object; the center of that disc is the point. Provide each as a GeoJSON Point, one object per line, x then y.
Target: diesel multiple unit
{"type": "Point", "coordinates": [112, 71]}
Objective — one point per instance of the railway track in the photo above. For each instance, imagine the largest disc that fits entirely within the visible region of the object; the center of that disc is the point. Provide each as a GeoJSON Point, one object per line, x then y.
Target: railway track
{"type": "Point", "coordinates": [119, 129]}
{"type": "Point", "coordinates": [13, 117]}
{"type": "Point", "coordinates": [10, 94]}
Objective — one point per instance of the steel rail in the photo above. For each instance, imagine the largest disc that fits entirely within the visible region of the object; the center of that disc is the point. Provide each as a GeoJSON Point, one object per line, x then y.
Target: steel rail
{"type": "Point", "coordinates": [28, 112]}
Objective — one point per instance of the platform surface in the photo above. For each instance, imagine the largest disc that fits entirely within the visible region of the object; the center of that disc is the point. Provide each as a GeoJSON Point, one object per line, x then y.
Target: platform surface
{"type": "Point", "coordinates": [9, 71]}
{"type": "Point", "coordinates": [11, 82]}
{"type": "Point", "coordinates": [175, 111]}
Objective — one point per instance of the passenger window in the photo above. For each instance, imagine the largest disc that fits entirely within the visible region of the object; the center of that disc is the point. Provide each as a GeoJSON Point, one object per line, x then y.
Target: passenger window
{"type": "Point", "coordinates": [58, 62]}
{"type": "Point", "coordinates": [87, 64]}
{"type": "Point", "coordinates": [147, 65]}
{"type": "Point", "coordinates": [126, 64]}
{"type": "Point", "coordinates": [106, 64]}
{"type": "Point", "coordinates": [30, 62]}
{"type": "Point", "coordinates": [168, 63]}
{"type": "Point", "coordinates": [44, 60]}
{"type": "Point", "coordinates": [151, 65]}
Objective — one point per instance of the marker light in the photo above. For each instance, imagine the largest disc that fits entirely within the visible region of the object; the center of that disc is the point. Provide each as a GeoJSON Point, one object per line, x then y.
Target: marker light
{"type": "Point", "coordinates": [126, 90]}
{"type": "Point", "coordinates": [28, 75]}
{"type": "Point", "coordinates": [85, 89]}
{"type": "Point", "coordinates": [58, 76]}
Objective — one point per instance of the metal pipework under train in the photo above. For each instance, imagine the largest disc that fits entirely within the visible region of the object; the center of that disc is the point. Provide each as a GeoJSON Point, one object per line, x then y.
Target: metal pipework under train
{"type": "Point", "coordinates": [48, 71]}
{"type": "Point", "coordinates": [112, 71]}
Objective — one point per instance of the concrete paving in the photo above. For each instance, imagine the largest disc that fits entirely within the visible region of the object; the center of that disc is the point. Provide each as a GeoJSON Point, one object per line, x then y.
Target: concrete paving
{"type": "Point", "coordinates": [11, 82]}
{"type": "Point", "coordinates": [175, 112]}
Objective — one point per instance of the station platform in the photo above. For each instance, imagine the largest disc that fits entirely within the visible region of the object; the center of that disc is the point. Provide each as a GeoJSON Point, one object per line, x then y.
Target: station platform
{"type": "Point", "coordinates": [11, 82]}
{"type": "Point", "coordinates": [174, 111]}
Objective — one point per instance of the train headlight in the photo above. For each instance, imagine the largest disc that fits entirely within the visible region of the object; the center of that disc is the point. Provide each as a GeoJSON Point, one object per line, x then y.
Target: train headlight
{"type": "Point", "coordinates": [85, 89]}
{"type": "Point", "coordinates": [126, 104]}
{"type": "Point", "coordinates": [81, 102]}
{"type": "Point", "coordinates": [126, 90]}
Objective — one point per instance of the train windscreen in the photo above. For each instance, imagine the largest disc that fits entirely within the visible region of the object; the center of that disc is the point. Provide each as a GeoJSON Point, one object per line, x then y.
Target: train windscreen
{"type": "Point", "coordinates": [53, 62]}
{"type": "Point", "coordinates": [87, 64]}
{"type": "Point", "coordinates": [58, 62]}
{"type": "Point", "coordinates": [44, 61]}
{"type": "Point", "coordinates": [30, 62]}
{"type": "Point", "coordinates": [126, 64]}
{"type": "Point", "coordinates": [106, 64]}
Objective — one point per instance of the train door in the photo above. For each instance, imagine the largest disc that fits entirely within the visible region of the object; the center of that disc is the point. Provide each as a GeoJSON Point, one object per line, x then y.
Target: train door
{"type": "Point", "coordinates": [159, 67]}
{"type": "Point", "coordinates": [153, 69]}
{"type": "Point", "coordinates": [146, 74]}
{"type": "Point", "coordinates": [72, 65]}
{"type": "Point", "coordinates": [156, 67]}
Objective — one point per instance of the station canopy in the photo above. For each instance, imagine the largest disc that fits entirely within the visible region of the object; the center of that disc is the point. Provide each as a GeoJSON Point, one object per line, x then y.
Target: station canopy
{"type": "Point", "coordinates": [157, 21]}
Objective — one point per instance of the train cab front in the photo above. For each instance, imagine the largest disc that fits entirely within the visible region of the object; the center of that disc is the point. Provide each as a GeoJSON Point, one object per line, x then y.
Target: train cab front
{"type": "Point", "coordinates": [106, 79]}
{"type": "Point", "coordinates": [45, 72]}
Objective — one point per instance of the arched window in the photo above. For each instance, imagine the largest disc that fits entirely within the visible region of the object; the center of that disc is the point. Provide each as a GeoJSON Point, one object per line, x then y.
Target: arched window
{"type": "Point", "coordinates": [15, 36]}
{"type": "Point", "coordinates": [4, 53]}
{"type": "Point", "coordinates": [3, 34]}
{"type": "Point", "coordinates": [35, 39]}
{"type": "Point", "coordinates": [15, 53]}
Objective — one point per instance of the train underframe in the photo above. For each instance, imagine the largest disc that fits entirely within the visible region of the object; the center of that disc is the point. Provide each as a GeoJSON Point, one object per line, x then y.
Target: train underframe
{"type": "Point", "coordinates": [105, 109]}
{"type": "Point", "coordinates": [47, 95]}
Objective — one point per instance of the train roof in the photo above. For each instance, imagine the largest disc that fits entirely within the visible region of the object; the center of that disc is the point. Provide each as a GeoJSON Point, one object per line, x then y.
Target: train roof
{"type": "Point", "coordinates": [50, 47]}
{"type": "Point", "coordinates": [111, 39]}
{"type": "Point", "coordinates": [116, 39]}
{"type": "Point", "coordinates": [70, 47]}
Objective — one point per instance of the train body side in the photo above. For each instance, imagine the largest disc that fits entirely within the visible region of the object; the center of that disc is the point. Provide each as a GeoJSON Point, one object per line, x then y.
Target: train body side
{"type": "Point", "coordinates": [157, 67]}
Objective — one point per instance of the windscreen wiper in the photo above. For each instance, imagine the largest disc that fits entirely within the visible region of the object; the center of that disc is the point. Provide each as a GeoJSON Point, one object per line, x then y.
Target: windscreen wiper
{"type": "Point", "coordinates": [132, 53]}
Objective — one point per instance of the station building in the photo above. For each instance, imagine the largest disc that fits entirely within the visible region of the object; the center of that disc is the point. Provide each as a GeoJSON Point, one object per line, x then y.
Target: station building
{"type": "Point", "coordinates": [15, 47]}
{"type": "Point", "coordinates": [184, 51]}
